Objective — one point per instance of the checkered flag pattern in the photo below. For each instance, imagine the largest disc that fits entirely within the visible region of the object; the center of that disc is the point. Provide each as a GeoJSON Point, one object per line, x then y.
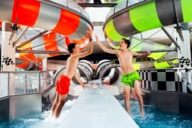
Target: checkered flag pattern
{"type": "Point", "coordinates": [164, 80]}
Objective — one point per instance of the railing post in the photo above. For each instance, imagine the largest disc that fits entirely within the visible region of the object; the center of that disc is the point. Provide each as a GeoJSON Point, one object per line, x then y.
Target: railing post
{"type": "Point", "coordinates": [39, 82]}
{"type": "Point", "coordinates": [8, 85]}
{"type": "Point", "coordinates": [25, 84]}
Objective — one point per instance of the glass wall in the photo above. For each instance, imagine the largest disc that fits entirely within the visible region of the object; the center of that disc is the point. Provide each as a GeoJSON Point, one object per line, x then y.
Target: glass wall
{"type": "Point", "coordinates": [3, 84]}
{"type": "Point", "coordinates": [20, 83]}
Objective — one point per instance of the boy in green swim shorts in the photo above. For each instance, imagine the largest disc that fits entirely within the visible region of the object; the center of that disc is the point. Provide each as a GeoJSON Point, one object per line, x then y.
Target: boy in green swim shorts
{"type": "Point", "coordinates": [130, 78]}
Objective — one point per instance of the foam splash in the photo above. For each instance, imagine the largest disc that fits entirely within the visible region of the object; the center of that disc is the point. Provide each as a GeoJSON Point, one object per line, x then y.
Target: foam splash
{"type": "Point", "coordinates": [50, 122]}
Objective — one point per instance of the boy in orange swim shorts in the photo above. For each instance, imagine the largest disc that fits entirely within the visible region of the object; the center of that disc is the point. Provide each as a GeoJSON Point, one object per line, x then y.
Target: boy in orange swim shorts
{"type": "Point", "coordinates": [63, 82]}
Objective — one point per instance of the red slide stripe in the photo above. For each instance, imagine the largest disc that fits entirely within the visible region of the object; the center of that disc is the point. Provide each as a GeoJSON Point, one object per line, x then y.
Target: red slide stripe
{"type": "Point", "coordinates": [68, 23]}
{"type": "Point", "coordinates": [25, 12]}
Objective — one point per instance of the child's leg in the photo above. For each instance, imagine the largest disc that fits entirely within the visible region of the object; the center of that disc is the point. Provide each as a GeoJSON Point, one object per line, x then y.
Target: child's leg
{"type": "Point", "coordinates": [127, 98]}
{"type": "Point", "coordinates": [55, 103]}
{"type": "Point", "coordinates": [139, 96]}
{"type": "Point", "coordinates": [62, 99]}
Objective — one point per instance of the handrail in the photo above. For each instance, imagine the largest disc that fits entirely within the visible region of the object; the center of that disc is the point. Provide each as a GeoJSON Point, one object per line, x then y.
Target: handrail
{"type": "Point", "coordinates": [47, 89]}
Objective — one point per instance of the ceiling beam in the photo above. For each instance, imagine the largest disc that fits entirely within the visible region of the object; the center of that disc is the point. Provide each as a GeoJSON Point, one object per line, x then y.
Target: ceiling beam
{"type": "Point", "coordinates": [97, 5]}
{"type": "Point", "coordinates": [42, 52]}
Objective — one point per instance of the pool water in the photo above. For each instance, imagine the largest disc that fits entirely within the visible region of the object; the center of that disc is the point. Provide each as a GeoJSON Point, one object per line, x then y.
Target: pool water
{"type": "Point", "coordinates": [152, 119]}
{"type": "Point", "coordinates": [157, 119]}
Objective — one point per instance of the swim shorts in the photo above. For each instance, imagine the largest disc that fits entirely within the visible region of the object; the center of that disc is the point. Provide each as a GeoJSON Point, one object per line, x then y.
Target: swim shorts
{"type": "Point", "coordinates": [130, 78]}
{"type": "Point", "coordinates": [62, 85]}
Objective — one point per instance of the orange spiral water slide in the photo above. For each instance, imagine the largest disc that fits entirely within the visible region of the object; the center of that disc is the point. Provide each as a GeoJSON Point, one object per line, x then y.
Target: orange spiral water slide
{"type": "Point", "coordinates": [61, 17]}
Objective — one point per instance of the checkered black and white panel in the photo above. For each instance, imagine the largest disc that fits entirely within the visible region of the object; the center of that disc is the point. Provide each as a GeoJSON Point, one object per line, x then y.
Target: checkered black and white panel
{"type": "Point", "coordinates": [165, 80]}
{"type": "Point", "coordinates": [146, 79]}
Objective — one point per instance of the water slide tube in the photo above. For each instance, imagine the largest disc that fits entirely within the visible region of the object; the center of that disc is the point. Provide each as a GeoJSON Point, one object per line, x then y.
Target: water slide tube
{"type": "Point", "coordinates": [130, 17]}
{"type": "Point", "coordinates": [107, 71]}
{"type": "Point", "coordinates": [84, 70]}
{"type": "Point", "coordinates": [63, 17]}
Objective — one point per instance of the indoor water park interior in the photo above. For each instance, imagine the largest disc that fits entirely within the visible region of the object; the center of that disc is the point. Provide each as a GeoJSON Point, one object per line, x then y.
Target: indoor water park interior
{"type": "Point", "coordinates": [95, 63]}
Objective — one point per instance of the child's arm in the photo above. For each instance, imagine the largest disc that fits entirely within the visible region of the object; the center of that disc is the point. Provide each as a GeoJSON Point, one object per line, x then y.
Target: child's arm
{"type": "Point", "coordinates": [77, 76]}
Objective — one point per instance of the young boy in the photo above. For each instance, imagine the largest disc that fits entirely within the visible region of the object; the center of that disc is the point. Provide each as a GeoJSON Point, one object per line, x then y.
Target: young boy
{"type": "Point", "coordinates": [63, 82]}
{"type": "Point", "coordinates": [130, 78]}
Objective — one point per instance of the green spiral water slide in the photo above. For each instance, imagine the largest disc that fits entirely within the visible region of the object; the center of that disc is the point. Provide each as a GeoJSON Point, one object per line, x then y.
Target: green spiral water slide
{"type": "Point", "coordinates": [130, 17]}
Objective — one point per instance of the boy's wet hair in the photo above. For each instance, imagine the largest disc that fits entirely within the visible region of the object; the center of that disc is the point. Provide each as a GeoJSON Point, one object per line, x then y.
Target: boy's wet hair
{"type": "Point", "coordinates": [71, 46]}
{"type": "Point", "coordinates": [127, 41]}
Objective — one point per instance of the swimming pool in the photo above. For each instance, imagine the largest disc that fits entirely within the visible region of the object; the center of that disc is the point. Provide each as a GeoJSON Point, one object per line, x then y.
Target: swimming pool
{"type": "Point", "coordinates": [157, 119]}
{"type": "Point", "coordinates": [153, 119]}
